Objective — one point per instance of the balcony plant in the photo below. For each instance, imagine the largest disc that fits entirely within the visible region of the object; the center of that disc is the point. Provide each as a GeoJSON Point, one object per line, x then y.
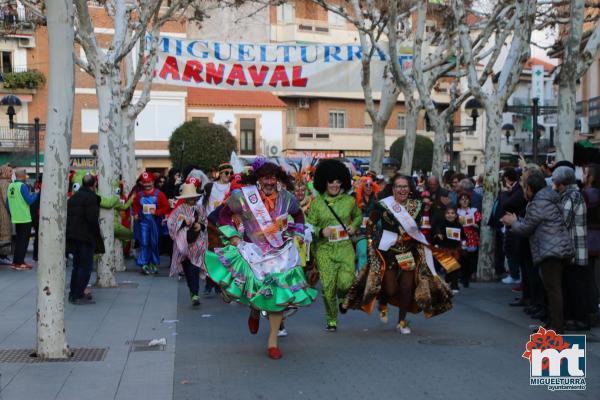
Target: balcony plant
{"type": "Point", "coordinates": [24, 80]}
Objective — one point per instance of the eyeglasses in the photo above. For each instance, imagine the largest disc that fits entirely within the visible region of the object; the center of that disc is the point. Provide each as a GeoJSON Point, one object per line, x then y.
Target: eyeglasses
{"type": "Point", "coordinates": [226, 173]}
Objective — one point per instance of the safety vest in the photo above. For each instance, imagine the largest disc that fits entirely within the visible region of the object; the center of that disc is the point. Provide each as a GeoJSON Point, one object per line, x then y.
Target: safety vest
{"type": "Point", "coordinates": [19, 209]}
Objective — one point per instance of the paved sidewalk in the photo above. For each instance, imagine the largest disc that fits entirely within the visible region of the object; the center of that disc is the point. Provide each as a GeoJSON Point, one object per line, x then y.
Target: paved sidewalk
{"type": "Point", "coordinates": [119, 315]}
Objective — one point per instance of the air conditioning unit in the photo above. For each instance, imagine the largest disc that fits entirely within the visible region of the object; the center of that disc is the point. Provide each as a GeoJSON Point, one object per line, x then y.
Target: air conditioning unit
{"type": "Point", "coordinates": [303, 103]}
{"type": "Point", "coordinates": [273, 149]}
{"type": "Point", "coordinates": [27, 42]}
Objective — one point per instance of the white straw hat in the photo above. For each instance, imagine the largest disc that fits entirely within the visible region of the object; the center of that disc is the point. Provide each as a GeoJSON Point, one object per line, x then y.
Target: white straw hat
{"type": "Point", "coordinates": [188, 191]}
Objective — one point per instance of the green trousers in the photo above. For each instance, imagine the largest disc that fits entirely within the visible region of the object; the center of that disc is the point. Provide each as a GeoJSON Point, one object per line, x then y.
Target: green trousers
{"type": "Point", "coordinates": [335, 262]}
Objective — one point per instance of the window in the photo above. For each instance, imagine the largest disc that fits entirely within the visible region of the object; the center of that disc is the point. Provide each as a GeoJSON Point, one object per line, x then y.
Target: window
{"type": "Point", "coordinates": [6, 61]}
{"type": "Point", "coordinates": [335, 19]}
{"type": "Point", "coordinates": [368, 121]}
{"type": "Point", "coordinates": [201, 120]}
{"type": "Point", "coordinates": [247, 136]}
{"type": "Point", "coordinates": [401, 121]}
{"type": "Point", "coordinates": [89, 120]}
{"type": "Point", "coordinates": [285, 13]}
{"type": "Point", "coordinates": [337, 119]}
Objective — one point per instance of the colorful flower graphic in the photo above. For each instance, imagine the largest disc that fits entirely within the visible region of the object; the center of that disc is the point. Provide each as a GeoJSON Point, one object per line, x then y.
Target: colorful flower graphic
{"type": "Point", "coordinates": [544, 339]}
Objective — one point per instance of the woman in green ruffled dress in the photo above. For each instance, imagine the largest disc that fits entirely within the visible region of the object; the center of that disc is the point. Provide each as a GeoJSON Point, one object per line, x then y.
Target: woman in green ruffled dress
{"type": "Point", "coordinates": [260, 265]}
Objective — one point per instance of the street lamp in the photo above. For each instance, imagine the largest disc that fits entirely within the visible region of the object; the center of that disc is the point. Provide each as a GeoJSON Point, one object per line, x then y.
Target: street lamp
{"type": "Point", "coordinates": [507, 128]}
{"type": "Point", "coordinates": [534, 111]}
{"type": "Point", "coordinates": [13, 103]}
{"type": "Point", "coordinates": [474, 106]}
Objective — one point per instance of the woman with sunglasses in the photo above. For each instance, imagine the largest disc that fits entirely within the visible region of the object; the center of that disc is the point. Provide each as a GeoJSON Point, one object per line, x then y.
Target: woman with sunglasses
{"type": "Point", "coordinates": [335, 218]}
{"type": "Point", "coordinates": [215, 191]}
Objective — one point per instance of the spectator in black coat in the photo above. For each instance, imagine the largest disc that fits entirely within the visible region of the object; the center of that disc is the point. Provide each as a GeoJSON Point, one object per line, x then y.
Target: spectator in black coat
{"type": "Point", "coordinates": [512, 199]}
{"type": "Point", "coordinates": [83, 237]}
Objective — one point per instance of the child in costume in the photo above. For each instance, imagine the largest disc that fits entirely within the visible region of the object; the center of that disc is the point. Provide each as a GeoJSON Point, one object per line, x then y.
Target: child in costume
{"type": "Point", "coordinates": [469, 218]}
{"type": "Point", "coordinates": [449, 235]}
{"type": "Point", "coordinates": [366, 199]}
{"type": "Point", "coordinates": [149, 209]}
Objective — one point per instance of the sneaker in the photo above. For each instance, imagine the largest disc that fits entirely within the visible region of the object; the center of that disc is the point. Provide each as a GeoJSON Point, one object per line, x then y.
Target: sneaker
{"type": "Point", "coordinates": [153, 269]}
{"type": "Point", "coordinates": [509, 280]}
{"type": "Point", "coordinates": [146, 270]}
{"type": "Point", "coordinates": [343, 310]}
{"type": "Point", "coordinates": [195, 300]}
{"type": "Point", "coordinates": [331, 328]}
{"type": "Point", "coordinates": [19, 267]}
{"type": "Point", "coordinates": [403, 328]}
{"type": "Point", "coordinates": [282, 333]}
{"type": "Point", "coordinates": [383, 316]}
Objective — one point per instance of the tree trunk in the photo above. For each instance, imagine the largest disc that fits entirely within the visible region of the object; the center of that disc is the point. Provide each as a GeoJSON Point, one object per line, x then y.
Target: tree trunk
{"type": "Point", "coordinates": [378, 147]}
{"type": "Point", "coordinates": [439, 142]}
{"type": "Point", "coordinates": [106, 174]}
{"type": "Point", "coordinates": [485, 266]}
{"type": "Point", "coordinates": [51, 338]}
{"type": "Point", "coordinates": [410, 138]}
{"type": "Point", "coordinates": [128, 164]}
{"type": "Point", "coordinates": [565, 134]}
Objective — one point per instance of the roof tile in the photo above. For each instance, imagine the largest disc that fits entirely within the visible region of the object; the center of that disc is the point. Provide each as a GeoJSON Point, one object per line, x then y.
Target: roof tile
{"type": "Point", "coordinates": [233, 98]}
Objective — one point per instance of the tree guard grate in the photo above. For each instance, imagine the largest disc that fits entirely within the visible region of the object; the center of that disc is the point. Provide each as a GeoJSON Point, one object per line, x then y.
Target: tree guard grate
{"type": "Point", "coordinates": [25, 356]}
{"type": "Point", "coordinates": [142, 345]}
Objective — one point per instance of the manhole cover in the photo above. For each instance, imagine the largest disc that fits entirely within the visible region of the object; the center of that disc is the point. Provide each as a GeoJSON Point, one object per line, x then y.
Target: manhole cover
{"type": "Point", "coordinates": [143, 345]}
{"type": "Point", "coordinates": [79, 355]}
{"type": "Point", "coordinates": [451, 342]}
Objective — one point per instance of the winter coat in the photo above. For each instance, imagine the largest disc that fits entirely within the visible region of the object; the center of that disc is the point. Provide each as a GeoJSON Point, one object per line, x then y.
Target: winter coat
{"type": "Point", "coordinates": [513, 202]}
{"type": "Point", "coordinates": [83, 213]}
{"type": "Point", "coordinates": [544, 225]}
{"type": "Point", "coordinates": [592, 201]}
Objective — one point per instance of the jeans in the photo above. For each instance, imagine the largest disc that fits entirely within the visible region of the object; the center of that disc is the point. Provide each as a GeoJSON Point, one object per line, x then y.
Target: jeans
{"type": "Point", "coordinates": [83, 264]}
{"type": "Point", "coordinates": [192, 277]}
{"type": "Point", "coordinates": [22, 241]}
{"type": "Point", "coordinates": [514, 264]}
{"type": "Point", "coordinates": [552, 271]}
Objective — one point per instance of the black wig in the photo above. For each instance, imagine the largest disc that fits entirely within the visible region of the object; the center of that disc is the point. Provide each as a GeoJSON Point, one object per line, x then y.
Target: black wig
{"type": "Point", "coordinates": [267, 169]}
{"type": "Point", "coordinates": [328, 171]}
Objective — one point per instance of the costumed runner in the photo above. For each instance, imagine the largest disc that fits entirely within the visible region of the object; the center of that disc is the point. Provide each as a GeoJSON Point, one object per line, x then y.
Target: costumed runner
{"type": "Point", "coordinates": [335, 218]}
{"type": "Point", "coordinates": [187, 227]}
{"type": "Point", "coordinates": [366, 200]}
{"type": "Point", "coordinates": [261, 268]}
{"type": "Point", "coordinates": [149, 209]}
{"type": "Point", "coordinates": [401, 270]}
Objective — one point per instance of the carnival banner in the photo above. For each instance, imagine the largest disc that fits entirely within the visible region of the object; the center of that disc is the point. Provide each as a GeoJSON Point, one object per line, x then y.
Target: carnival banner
{"type": "Point", "coordinates": [275, 67]}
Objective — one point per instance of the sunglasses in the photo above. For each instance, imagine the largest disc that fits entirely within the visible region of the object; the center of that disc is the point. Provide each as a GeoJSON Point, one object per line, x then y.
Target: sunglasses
{"type": "Point", "coordinates": [226, 173]}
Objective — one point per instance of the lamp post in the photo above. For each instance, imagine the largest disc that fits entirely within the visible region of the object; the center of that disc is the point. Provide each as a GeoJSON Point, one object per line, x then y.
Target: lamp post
{"type": "Point", "coordinates": [11, 101]}
{"type": "Point", "coordinates": [472, 105]}
{"type": "Point", "coordinates": [534, 110]}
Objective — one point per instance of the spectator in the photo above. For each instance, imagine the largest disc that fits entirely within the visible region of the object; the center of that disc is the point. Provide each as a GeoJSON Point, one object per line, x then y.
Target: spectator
{"type": "Point", "coordinates": [19, 198]}
{"type": "Point", "coordinates": [551, 246]}
{"type": "Point", "coordinates": [439, 199]}
{"type": "Point", "coordinates": [547, 171]}
{"type": "Point", "coordinates": [83, 237]}
{"type": "Point", "coordinates": [466, 186]}
{"type": "Point", "coordinates": [513, 201]}
{"type": "Point", "coordinates": [454, 187]}
{"type": "Point", "coordinates": [578, 271]}
{"type": "Point", "coordinates": [469, 218]}
{"type": "Point", "coordinates": [494, 223]}
{"type": "Point", "coordinates": [449, 235]}
{"type": "Point", "coordinates": [174, 181]}
{"type": "Point", "coordinates": [479, 185]}
{"type": "Point", "coordinates": [591, 195]}
{"type": "Point", "coordinates": [5, 222]}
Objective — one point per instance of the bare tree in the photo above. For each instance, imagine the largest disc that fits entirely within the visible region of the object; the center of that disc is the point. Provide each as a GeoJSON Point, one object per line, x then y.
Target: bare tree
{"type": "Point", "coordinates": [51, 338]}
{"type": "Point", "coordinates": [512, 21]}
{"type": "Point", "coordinates": [578, 50]}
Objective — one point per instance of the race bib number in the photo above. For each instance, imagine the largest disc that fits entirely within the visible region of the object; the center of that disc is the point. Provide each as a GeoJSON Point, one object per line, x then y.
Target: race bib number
{"type": "Point", "coordinates": [338, 234]}
{"type": "Point", "coordinates": [406, 261]}
{"type": "Point", "coordinates": [425, 222]}
{"type": "Point", "coordinates": [282, 222]}
{"type": "Point", "coordinates": [149, 209]}
{"type": "Point", "coordinates": [453, 234]}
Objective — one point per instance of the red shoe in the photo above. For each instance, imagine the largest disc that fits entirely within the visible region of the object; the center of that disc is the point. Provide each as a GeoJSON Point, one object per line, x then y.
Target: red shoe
{"type": "Point", "coordinates": [253, 324]}
{"type": "Point", "coordinates": [274, 353]}
{"type": "Point", "coordinates": [517, 289]}
{"type": "Point", "coordinates": [27, 266]}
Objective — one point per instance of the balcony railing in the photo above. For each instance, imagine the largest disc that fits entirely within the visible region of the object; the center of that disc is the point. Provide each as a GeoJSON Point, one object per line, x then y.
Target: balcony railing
{"type": "Point", "coordinates": [15, 18]}
{"type": "Point", "coordinates": [16, 139]}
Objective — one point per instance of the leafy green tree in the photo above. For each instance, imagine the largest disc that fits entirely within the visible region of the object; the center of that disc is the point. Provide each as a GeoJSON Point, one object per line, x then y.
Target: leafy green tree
{"type": "Point", "coordinates": [423, 155]}
{"type": "Point", "coordinates": [201, 144]}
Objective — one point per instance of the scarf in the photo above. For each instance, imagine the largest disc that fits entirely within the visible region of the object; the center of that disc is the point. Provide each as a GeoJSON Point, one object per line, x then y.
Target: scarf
{"type": "Point", "coordinates": [269, 200]}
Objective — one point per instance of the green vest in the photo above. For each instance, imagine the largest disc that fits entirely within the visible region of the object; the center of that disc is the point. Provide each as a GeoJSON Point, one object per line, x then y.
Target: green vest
{"type": "Point", "coordinates": [19, 209]}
